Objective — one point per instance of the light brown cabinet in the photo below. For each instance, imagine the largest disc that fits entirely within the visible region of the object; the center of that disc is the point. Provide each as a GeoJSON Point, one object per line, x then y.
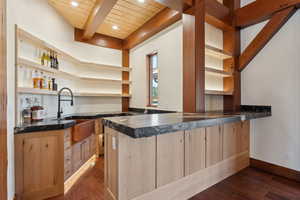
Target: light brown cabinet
{"type": "Point", "coordinates": [82, 151]}
{"type": "Point", "coordinates": [214, 145]}
{"type": "Point", "coordinates": [173, 165]}
{"type": "Point", "coordinates": [231, 141]}
{"type": "Point", "coordinates": [45, 160]}
{"type": "Point", "coordinates": [39, 164]}
{"type": "Point", "coordinates": [195, 150]}
{"type": "Point", "coordinates": [170, 157]}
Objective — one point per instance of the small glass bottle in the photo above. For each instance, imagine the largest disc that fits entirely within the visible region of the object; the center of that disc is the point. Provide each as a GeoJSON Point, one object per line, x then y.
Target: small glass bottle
{"type": "Point", "coordinates": [50, 87]}
{"type": "Point", "coordinates": [36, 79]}
{"type": "Point", "coordinates": [41, 80]}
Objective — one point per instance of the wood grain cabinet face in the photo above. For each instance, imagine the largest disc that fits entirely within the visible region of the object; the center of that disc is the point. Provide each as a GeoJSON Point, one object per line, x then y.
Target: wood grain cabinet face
{"type": "Point", "coordinates": [195, 145]}
{"type": "Point", "coordinates": [137, 166]}
{"type": "Point", "coordinates": [214, 143]}
{"type": "Point", "coordinates": [170, 158]}
{"type": "Point", "coordinates": [231, 139]}
{"type": "Point", "coordinates": [244, 132]}
{"type": "Point", "coordinates": [111, 162]}
{"type": "Point", "coordinates": [40, 165]}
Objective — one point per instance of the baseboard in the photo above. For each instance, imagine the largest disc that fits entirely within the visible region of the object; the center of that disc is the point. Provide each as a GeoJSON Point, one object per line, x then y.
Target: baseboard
{"type": "Point", "coordinates": [275, 169]}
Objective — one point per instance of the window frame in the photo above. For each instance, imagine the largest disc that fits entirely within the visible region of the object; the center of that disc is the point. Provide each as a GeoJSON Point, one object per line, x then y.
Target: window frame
{"type": "Point", "coordinates": [149, 78]}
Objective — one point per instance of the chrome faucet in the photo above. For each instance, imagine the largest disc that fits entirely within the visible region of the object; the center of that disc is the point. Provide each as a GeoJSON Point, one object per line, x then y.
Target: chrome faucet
{"type": "Point", "coordinates": [59, 112]}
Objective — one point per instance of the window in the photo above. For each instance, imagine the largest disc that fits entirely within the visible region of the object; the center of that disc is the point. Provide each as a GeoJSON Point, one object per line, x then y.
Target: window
{"type": "Point", "coordinates": [153, 79]}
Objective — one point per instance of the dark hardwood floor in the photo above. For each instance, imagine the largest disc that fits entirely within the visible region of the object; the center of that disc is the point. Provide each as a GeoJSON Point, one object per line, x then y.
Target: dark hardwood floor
{"type": "Point", "coordinates": [249, 184]}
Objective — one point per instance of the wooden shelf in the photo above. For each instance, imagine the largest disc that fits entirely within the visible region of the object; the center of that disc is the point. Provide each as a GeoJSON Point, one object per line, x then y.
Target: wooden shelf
{"type": "Point", "coordinates": [216, 92]}
{"type": "Point", "coordinates": [216, 52]}
{"type": "Point", "coordinates": [34, 65]}
{"type": "Point", "coordinates": [23, 90]}
{"type": "Point", "coordinates": [218, 72]}
{"type": "Point", "coordinates": [24, 35]}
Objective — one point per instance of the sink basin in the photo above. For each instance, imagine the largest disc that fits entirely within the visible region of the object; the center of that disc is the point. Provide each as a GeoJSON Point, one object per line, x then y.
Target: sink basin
{"type": "Point", "coordinates": [83, 129]}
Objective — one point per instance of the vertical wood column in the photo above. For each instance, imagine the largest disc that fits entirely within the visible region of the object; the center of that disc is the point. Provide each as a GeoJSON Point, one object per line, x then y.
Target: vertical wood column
{"type": "Point", "coordinates": [194, 59]}
{"type": "Point", "coordinates": [125, 77]}
{"type": "Point", "coordinates": [3, 105]}
{"type": "Point", "coordinates": [232, 43]}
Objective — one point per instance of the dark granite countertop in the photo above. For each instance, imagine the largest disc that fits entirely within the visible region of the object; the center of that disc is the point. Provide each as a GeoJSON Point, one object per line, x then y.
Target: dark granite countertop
{"type": "Point", "coordinates": [66, 122]}
{"type": "Point", "coordinates": [45, 125]}
{"type": "Point", "coordinates": [155, 124]}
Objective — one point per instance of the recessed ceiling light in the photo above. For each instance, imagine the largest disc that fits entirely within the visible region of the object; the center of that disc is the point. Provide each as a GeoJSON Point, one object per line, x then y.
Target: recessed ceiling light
{"type": "Point", "coordinates": [141, 1]}
{"type": "Point", "coordinates": [115, 27]}
{"type": "Point", "coordinates": [74, 3]}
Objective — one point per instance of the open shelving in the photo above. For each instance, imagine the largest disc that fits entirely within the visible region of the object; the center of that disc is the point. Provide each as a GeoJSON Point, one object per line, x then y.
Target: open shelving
{"type": "Point", "coordinates": [217, 92]}
{"type": "Point", "coordinates": [216, 52]}
{"type": "Point", "coordinates": [218, 72]}
{"type": "Point", "coordinates": [23, 90]}
{"type": "Point", "coordinates": [25, 36]}
{"type": "Point", "coordinates": [226, 74]}
{"type": "Point", "coordinates": [34, 65]}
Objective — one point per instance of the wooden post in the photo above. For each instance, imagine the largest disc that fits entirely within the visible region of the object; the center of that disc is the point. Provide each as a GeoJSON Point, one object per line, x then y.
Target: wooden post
{"type": "Point", "coordinates": [3, 105]}
{"type": "Point", "coordinates": [232, 44]}
{"type": "Point", "coordinates": [125, 77]}
{"type": "Point", "coordinates": [194, 59]}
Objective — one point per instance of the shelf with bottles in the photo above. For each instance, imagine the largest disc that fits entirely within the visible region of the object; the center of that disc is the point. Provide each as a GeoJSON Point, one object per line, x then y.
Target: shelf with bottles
{"type": "Point", "coordinates": [218, 72]}
{"type": "Point", "coordinates": [216, 52]}
{"type": "Point", "coordinates": [24, 90]}
{"type": "Point", "coordinates": [25, 36]}
{"type": "Point", "coordinates": [24, 62]}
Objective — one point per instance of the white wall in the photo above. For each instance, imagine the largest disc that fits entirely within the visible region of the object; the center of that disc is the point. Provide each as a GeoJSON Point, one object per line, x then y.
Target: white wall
{"type": "Point", "coordinates": [168, 44]}
{"type": "Point", "coordinates": [273, 78]}
{"type": "Point", "coordinates": [40, 19]}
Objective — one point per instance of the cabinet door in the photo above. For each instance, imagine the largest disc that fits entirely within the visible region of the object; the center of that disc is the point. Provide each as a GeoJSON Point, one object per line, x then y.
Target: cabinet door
{"type": "Point", "coordinates": [111, 163]}
{"type": "Point", "coordinates": [43, 170]}
{"type": "Point", "coordinates": [76, 156]}
{"type": "Point", "coordinates": [230, 139]}
{"type": "Point", "coordinates": [213, 145]}
{"type": "Point", "coordinates": [170, 157]}
{"type": "Point", "coordinates": [85, 150]}
{"type": "Point", "coordinates": [194, 150]}
{"type": "Point", "coordinates": [93, 145]}
{"type": "Point", "coordinates": [244, 133]}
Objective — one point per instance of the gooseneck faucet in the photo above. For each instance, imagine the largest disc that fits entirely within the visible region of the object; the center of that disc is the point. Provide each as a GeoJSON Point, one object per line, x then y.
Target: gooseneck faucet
{"type": "Point", "coordinates": [59, 112]}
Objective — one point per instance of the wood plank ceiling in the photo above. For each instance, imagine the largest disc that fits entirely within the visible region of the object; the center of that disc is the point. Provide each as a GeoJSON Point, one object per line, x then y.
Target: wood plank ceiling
{"type": "Point", "coordinates": [127, 15]}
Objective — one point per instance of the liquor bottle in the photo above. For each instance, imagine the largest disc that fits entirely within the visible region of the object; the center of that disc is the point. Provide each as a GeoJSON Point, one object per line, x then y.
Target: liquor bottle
{"type": "Point", "coordinates": [43, 59]}
{"type": "Point", "coordinates": [50, 87]}
{"type": "Point", "coordinates": [36, 79]}
{"type": "Point", "coordinates": [41, 80]}
{"type": "Point", "coordinates": [48, 60]}
{"type": "Point", "coordinates": [56, 62]}
{"type": "Point", "coordinates": [51, 60]}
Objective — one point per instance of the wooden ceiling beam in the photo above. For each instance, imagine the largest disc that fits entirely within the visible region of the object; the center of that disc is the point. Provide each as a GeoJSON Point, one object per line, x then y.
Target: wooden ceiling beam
{"type": "Point", "coordinates": [261, 10]}
{"type": "Point", "coordinates": [156, 24]}
{"type": "Point", "coordinates": [99, 40]}
{"type": "Point", "coordinates": [97, 17]}
{"type": "Point", "coordinates": [216, 14]}
{"type": "Point", "coordinates": [179, 5]}
{"type": "Point", "coordinates": [265, 35]}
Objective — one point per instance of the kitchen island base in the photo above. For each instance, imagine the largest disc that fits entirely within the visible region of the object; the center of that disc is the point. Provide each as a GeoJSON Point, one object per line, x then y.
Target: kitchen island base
{"type": "Point", "coordinates": [173, 165]}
